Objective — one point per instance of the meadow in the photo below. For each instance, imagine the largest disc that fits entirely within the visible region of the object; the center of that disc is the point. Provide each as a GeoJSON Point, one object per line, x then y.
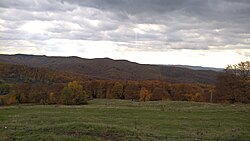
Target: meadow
{"type": "Point", "coordinates": [104, 119]}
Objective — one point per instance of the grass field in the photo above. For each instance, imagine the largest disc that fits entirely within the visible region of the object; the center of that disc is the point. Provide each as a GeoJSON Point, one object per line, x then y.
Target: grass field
{"type": "Point", "coordinates": [126, 120]}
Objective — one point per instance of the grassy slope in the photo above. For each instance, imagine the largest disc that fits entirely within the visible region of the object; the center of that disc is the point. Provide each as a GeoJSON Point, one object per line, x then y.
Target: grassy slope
{"type": "Point", "coordinates": [126, 120]}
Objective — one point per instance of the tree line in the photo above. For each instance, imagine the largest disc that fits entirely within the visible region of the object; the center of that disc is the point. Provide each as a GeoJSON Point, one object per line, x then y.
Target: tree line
{"type": "Point", "coordinates": [79, 92]}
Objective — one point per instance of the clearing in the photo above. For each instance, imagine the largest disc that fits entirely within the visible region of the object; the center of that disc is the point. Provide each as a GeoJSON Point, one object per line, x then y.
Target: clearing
{"type": "Point", "coordinates": [104, 119]}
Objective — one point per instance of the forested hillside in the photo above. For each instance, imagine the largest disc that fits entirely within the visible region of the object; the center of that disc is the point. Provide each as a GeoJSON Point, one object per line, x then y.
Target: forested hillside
{"type": "Point", "coordinates": [23, 84]}
{"type": "Point", "coordinates": [105, 68]}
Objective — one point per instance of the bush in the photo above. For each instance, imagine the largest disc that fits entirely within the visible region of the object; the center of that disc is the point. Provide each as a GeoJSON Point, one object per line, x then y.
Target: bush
{"type": "Point", "coordinates": [73, 94]}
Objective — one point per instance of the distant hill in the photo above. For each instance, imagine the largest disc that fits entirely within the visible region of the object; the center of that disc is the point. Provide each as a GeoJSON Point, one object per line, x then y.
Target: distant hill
{"type": "Point", "coordinates": [105, 68]}
{"type": "Point", "coordinates": [10, 73]}
{"type": "Point", "coordinates": [199, 68]}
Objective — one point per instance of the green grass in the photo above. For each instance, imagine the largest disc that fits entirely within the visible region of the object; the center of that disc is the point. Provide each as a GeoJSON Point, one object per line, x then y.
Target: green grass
{"type": "Point", "coordinates": [126, 120]}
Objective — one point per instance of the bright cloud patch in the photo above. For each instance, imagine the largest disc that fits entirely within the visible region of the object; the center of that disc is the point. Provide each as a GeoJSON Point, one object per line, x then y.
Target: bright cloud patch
{"type": "Point", "coordinates": [36, 26]}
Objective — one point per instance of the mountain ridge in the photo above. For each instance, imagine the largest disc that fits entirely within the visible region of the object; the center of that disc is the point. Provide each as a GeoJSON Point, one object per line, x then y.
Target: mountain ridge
{"type": "Point", "coordinates": [106, 68]}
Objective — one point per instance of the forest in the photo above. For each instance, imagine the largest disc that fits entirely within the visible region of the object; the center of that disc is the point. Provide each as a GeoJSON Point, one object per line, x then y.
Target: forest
{"type": "Point", "coordinates": [25, 84]}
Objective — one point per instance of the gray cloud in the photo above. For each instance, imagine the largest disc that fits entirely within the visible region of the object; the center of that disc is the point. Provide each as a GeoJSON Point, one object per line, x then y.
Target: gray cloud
{"type": "Point", "coordinates": [36, 5]}
{"type": "Point", "coordinates": [157, 25]}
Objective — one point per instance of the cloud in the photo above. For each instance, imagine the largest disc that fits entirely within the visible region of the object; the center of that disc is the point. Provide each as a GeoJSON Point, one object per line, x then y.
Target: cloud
{"type": "Point", "coordinates": [128, 25]}
{"type": "Point", "coordinates": [36, 5]}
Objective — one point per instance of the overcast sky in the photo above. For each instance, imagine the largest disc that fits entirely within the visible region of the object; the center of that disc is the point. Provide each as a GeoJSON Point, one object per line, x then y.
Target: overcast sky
{"type": "Point", "coordinates": [210, 33]}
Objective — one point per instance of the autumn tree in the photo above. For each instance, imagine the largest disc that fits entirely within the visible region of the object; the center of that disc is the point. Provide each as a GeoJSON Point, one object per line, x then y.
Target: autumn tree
{"type": "Point", "coordinates": [39, 93]}
{"type": "Point", "coordinates": [73, 93]}
{"type": "Point", "coordinates": [234, 83]}
{"type": "Point", "coordinates": [159, 94]}
{"type": "Point", "coordinates": [52, 99]}
{"type": "Point", "coordinates": [22, 92]}
{"type": "Point", "coordinates": [91, 88]}
{"type": "Point", "coordinates": [101, 90]}
{"type": "Point", "coordinates": [187, 92]}
{"type": "Point", "coordinates": [8, 99]}
{"type": "Point", "coordinates": [144, 94]}
{"type": "Point", "coordinates": [117, 91]}
{"type": "Point", "coordinates": [108, 86]}
{"type": "Point", "coordinates": [11, 99]}
{"type": "Point", "coordinates": [241, 70]}
{"type": "Point", "coordinates": [131, 91]}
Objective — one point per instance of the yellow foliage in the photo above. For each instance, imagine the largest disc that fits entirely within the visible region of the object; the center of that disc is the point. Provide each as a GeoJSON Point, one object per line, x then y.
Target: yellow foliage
{"type": "Point", "coordinates": [8, 99]}
{"type": "Point", "coordinates": [144, 94]}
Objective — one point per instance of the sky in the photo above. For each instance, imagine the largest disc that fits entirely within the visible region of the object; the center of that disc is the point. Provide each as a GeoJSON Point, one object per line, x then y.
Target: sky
{"type": "Point", "coordinates": [210, 33]}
